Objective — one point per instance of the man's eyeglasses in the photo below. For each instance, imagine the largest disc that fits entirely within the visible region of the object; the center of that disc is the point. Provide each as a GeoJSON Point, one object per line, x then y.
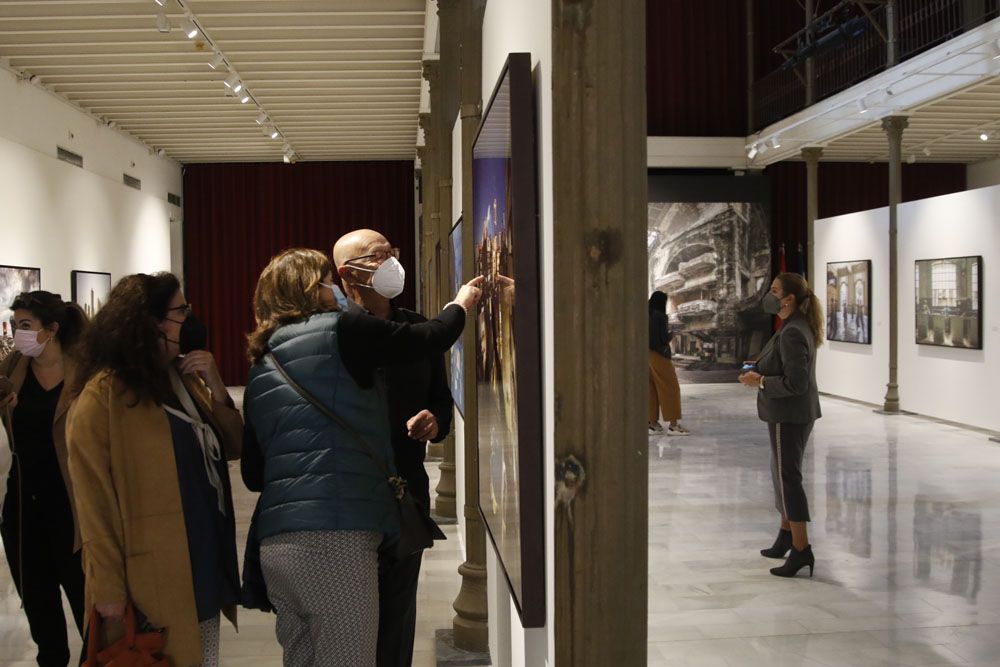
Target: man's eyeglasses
{"type": "Point", "coordinates": [378, 255]}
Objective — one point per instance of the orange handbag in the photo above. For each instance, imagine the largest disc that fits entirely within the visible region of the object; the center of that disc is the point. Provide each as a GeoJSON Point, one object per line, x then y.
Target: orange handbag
{"type": "Point", "coordinates": [135, 649]}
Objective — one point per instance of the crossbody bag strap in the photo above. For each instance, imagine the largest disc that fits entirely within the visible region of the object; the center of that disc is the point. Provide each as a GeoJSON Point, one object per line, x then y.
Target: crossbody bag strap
{"type": "Point", "coordinates": [397, 483]}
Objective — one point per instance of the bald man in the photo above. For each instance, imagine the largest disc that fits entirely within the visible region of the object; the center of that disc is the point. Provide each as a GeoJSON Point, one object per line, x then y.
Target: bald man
{"type": "Point", "coordinates": [420, 410]}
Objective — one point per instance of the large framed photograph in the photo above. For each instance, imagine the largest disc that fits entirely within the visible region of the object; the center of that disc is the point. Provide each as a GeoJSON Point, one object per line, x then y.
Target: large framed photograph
{"type": "Point", "coordinates": [90, 290]}
{"type": "Point", "coordinates": [508, 339]}
{"type": "Point", "coordinates": [13, 281]}
{"type": "Point", "coordinates": [848, 301]}
{"type": "Point", "coordinates": [949, 302]}
{"type": "Point", "coordinates": [458, 349]}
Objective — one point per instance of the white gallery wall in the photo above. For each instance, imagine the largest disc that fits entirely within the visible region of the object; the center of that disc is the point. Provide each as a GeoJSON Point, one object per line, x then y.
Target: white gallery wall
{"type": "Point", "coordinates": [60, 217]}
{"type": "Point", "coordinates": [953, 384]}
{"type": "Point", "coordinates": [851, 369]}
{"type": "Point", "coordinates": [511, 26]}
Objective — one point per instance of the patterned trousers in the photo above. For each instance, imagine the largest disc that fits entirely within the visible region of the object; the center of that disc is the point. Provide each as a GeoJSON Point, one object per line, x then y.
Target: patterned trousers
{"type": "Point", "coordinates": [324, 588]}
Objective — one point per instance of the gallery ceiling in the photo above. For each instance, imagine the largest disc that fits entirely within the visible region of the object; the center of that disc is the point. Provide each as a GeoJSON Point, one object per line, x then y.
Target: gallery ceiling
{"type": "Point", "coordinates": [949, 129]}
{"type": "Point", "coordinates": [336, 79]}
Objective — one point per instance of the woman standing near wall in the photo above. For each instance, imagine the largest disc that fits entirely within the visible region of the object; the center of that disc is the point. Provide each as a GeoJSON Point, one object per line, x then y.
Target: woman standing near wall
{"type": "Point", "coordinates": [788, 400]}
{"type": "Point", "coordinates": [664, 389]}
{"type": "Point", "coordinates": [39, 529]}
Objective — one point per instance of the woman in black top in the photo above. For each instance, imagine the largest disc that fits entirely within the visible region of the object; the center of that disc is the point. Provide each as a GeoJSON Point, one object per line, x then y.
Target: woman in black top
{"type": "Point", "coordinates": [664, 389]}
{"type": "Point", "coordinates": [39, 530]}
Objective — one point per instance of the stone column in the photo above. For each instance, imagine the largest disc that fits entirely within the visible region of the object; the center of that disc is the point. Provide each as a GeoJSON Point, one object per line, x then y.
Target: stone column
{"type": "Point", "coordinates": [598, 245]}
{"type": "Point", "coordinates": [444, 107]}
{"type": "Point", "coordinates": [470, 627]}
{"type": "Point", "coordinates": [893, 127]}
{"type": "Point", "coordinates": [811, 156]}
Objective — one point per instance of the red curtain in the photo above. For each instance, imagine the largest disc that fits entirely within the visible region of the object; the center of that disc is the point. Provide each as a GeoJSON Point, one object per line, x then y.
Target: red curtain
{"type": "Point", "coordinates": [848, 187]}
{"type": "Point", "coordinates": [237, 216]}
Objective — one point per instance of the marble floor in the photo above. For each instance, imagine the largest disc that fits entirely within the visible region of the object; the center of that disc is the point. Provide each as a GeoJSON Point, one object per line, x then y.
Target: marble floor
{"type": "Point", "coordinates": [906, 531]}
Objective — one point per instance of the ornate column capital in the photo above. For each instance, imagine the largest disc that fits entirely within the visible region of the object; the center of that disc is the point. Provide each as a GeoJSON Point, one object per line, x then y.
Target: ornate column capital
{"type": "Point", "coordinates": [894, 126]}
{"type": "Point", "coordinates": [812, 154]}
{"type": "Point", "coordinates": [431, 71]}
{"type": "Point", "coordinates": [426, 121]}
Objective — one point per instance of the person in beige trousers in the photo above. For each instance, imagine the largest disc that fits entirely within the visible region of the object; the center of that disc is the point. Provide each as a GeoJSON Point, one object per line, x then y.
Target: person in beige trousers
{"type": "Point", "coordinates": [664, 389]}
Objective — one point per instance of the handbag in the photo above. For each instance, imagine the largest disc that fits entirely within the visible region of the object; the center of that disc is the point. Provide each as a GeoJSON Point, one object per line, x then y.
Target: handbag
{"type": "Point", "coordinates": [135, 649]}
{"type": "Point", "coordinates": [417, 531]}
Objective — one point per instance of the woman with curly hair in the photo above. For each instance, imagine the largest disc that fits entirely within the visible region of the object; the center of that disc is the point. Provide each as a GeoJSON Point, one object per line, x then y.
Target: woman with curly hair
{"type": "Point", "coordinates": [149, 436]}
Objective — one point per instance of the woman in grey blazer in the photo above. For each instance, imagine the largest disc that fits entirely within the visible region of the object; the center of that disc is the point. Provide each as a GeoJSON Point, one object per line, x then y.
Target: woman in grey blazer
{"type": "Point", "coordinates": [788, 400]}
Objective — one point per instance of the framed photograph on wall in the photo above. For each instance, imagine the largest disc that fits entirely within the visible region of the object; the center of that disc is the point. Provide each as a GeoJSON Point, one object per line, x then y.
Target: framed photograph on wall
{"type": "Point", "coordinates": [508, 339]}
{"type": "Point", "coordinates": [949, 302]}
{"type": "Point", "coordinates": [457, 352]}
{"type": "Point", "coordinates": [13, 281]}
{"type": "Point", "coordinates": [848, 301]}
{"type": "Point", "coordinates": [90, 290]}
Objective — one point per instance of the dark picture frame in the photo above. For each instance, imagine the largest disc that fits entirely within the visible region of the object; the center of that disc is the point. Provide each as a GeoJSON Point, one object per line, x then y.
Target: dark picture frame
{"type": "Point", "coordinates": [456, 377]}
{"type": "Point", "coordinates": [13, 281]}
{"type": "Point", "coordinates": [942, 319]}
{"type": "Point", "coordinates": [506, 246]}
{"type": "Point", "coordinates": [90, 289]}
{"type": "Point", "coordinates": [846, 320]}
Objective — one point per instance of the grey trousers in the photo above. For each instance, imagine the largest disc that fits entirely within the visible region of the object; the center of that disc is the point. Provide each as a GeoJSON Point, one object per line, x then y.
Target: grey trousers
{"type": "Point", "coordinates": [324, 588]}
{"type": "Point", "coordinates": [788, 447]}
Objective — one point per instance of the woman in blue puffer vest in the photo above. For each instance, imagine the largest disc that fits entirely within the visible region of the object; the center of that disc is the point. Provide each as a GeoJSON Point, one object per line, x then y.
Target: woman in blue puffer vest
{"type": "Point", "coordinates": [325, 506]}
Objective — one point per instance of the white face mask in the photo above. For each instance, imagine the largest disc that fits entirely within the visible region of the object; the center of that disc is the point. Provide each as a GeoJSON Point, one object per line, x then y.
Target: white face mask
{"type": "Point", "coordinates": [26, 342]}
{"type": "Point", "coordinates": [388, 279]}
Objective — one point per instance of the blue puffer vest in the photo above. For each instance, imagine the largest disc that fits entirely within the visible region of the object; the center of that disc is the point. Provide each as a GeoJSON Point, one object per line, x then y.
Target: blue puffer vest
{"type": "Point", "coordinates": [316, 476]}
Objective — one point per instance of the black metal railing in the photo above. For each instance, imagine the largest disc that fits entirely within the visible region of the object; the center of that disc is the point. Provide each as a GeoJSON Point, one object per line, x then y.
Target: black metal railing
{"type": "Point", "coordinates": [861, 52]}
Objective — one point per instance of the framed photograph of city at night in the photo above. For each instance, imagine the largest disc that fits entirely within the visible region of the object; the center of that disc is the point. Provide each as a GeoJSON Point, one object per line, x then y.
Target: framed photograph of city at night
{"type": "Point", "coordinates": [508, 338]}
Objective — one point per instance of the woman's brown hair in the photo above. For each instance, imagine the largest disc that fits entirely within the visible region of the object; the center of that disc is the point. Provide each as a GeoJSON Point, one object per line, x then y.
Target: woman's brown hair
{"type": "Point", "coordinates": [808, 303]}
{"type": "Point", "coordinates": [287, 291]}
{"type": "Point", "coordinates": [124, 337]}
{"type": "Point", "coordinates": [49, 308]}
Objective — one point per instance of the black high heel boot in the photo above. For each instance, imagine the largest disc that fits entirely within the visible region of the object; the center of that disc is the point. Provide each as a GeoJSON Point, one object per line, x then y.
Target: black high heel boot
{"type": "Point", "coordinates": [796, 561]}
{"type": "Point", "coordinates": [782, 544]}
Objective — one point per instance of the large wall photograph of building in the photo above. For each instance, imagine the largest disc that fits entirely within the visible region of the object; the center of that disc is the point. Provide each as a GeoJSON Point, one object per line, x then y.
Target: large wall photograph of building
{"type": "Point", "coordinates": [949, 302]}
{"type": "Point", "coordinates": [848, 301]}
{"type": "Point", "coordinates": [713, 261]}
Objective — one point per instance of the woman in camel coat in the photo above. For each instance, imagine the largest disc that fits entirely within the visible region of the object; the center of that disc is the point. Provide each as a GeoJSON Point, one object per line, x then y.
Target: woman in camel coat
{"type": "Point", "coordinates": [139, 473]}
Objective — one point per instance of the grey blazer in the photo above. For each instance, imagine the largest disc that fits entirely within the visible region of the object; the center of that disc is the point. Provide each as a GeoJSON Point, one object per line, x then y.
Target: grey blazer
{"type": "Point", "coordinates": [788, 364]}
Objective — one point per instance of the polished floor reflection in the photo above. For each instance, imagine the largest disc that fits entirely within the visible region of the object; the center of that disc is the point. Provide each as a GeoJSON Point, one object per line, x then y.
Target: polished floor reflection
{"type": "Point", "coordinates": [906, 530]}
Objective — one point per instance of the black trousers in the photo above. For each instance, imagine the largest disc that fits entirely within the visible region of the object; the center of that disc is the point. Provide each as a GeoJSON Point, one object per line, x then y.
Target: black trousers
{"type": "Point", "coordinates": [42, 564]}
{"type": "Point", "coordinates": [397, 609]}
{"type": "Point", "coordinates": [788, 447]}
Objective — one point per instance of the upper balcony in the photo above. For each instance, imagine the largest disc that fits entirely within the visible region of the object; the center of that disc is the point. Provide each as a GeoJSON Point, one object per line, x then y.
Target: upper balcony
{"type": "Point", "coordinates": [854, 41]}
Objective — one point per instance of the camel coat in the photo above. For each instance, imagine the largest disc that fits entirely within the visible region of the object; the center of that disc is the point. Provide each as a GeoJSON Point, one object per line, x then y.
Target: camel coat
{"type": "Point", "coordinates": [121, 461]}
{"type": "Point", "coordinates": [15, 367]}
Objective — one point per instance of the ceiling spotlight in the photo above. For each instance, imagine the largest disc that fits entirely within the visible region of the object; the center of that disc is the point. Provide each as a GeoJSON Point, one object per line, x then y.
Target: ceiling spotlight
{"type": "Point", "coordinates": [752, 153]}
{"type": "Point", "coordinates": [995, 49]}
{"type": "Point", "coordinates": [244, 96]}
{"type": "Point", "coordinates": [862, 107]}
{"type": "Point", "coordinates": [162, 22]}
{"type": "Point", "coordinates": [927, 151]}
{"type": "Point", "coordinates": [189, 28]}
{"type": "Point", "coordinates": [160, 2]}
{"type": "Point", "coordinates": [274, 134]}
{"type": "Point", "coordinates": [776, 142]}
{"type": "Point", "coordinates": [161, 153]}
{"type": "Point", "coordinates": [217, 61]}
{"type": "Point", "coordinates": [911, 159]}
{"type": "Point", "coordinates": [985, 136]}
{"type": "Point", "coordinates": [234, 83]}
{"type": "Point", "coordinates": [287, 158]}
{"type": "Point", "coordinates": [262, 118]}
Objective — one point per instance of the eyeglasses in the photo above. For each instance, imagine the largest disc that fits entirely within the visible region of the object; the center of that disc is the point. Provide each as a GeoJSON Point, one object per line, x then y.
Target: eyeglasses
{"type": "Point", "coordinates": [378, 255]}
{"type": "Point", "coordinates": [184, 309]}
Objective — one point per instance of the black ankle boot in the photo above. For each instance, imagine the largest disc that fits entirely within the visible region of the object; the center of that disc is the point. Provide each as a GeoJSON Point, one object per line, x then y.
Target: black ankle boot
{"type": "Point", "coordinates": [781, 545]}
{"type": "Point", "coordinates": [796, 561]}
